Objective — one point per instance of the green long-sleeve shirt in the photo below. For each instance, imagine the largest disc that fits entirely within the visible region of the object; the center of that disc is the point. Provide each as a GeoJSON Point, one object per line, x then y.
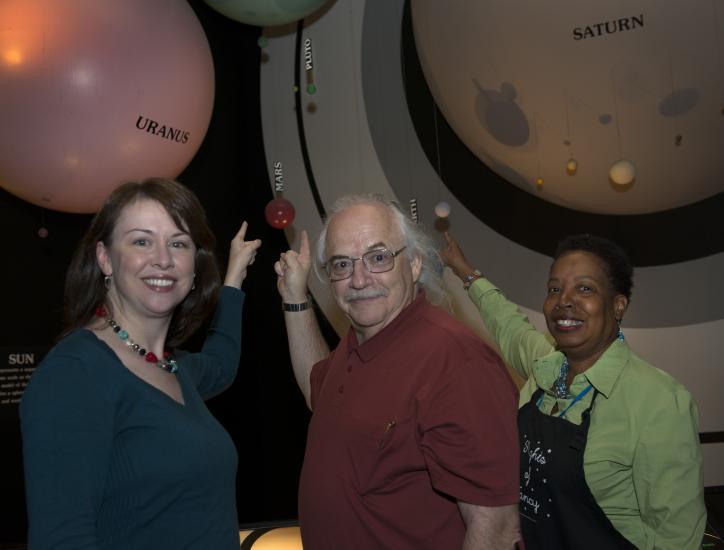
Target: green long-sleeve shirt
{"type": "Point", "coordinates": [643, 460]}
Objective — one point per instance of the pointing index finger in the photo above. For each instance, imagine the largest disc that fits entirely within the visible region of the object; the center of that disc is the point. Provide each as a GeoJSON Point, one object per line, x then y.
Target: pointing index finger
{"type": "Point", "coordinates": [304, 245]}
{"type": "Point", "coordinates": [242, 230]}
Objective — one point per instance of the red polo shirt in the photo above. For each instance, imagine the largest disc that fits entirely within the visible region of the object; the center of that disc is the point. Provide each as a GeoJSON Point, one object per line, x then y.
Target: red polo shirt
{"type": "Point", "coordinates": [421, 415]}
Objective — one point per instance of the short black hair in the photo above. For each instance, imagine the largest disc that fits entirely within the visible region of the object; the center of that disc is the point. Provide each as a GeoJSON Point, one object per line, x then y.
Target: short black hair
{"type": "Point", "coordinates": [614, 258]}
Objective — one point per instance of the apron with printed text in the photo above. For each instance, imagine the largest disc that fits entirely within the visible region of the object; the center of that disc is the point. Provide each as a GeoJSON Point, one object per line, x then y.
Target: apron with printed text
{"type": "Point", "coordinates": [557, 509]}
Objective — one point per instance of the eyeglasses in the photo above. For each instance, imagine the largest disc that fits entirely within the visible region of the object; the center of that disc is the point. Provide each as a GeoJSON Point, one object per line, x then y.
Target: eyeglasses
{"type": "Point", "coordinates": [380, 260]}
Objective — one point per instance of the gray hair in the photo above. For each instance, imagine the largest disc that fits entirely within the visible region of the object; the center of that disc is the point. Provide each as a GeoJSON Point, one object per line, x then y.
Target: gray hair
{"type": "Point", "coordinates": [418, 244]}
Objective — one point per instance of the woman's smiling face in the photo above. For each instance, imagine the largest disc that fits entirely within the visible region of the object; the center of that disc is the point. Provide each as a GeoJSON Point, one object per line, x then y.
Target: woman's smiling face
{"type": "Point", "coordinates": [581, 307]}
{"type": "Point", "coordinates": [151, 261]}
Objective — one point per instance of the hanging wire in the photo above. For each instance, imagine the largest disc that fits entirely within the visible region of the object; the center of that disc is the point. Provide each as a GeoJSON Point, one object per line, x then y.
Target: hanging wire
{"type": "Point", "coordinates": [569, 142]}
{"type": "Point", "coordinates": [717, 40]}
{"type": "Point", "coordinates": [408, 151]}
{"type": "Point", "coordinates": [677, 139]}
{"type": "Point", "coordinates": [413, 204]}
{"type": "Point", "coordinates": [438, 155]}
{"type": "Point", "coordinates": [568, 122]}
{"type": "Point", "coordinates": [358, 115]}
{"type": "Point", "coordinates": [539, 178]}
{"type": "Point", "coordinates": [437, 139]}
{"type": "Point", "coordinates": [300, 122]}
{"type": "Point", "coordinates": [615, 111]}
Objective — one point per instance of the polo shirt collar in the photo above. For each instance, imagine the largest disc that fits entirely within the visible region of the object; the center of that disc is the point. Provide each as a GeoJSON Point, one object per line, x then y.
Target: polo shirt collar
{"type": "Point", "coordinates": [603, 375]}
{"type": "Point", "coordinates": [389, 335]}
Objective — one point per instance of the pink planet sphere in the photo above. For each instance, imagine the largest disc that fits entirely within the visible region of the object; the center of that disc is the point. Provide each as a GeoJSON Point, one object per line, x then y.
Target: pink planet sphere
{"type": "Point", "coordinates": [94, 93]}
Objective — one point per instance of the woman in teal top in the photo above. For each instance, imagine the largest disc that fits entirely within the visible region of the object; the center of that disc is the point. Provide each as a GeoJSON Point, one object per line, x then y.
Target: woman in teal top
{"type": "Point", "coordinates": [120, 451]}
{"type": "Point", "coordinates": [610, 456]}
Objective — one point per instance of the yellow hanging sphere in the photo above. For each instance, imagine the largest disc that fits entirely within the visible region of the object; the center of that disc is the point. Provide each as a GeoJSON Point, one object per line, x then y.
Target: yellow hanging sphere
{"type": "Point", "coordinates": [571, 167]}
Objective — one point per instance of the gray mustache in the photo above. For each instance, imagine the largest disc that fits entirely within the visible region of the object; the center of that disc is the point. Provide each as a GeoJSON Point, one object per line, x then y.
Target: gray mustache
{"type": "Point", "coordinates": [364, 293]}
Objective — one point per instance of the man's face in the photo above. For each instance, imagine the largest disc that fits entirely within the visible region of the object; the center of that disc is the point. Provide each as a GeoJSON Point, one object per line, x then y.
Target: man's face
{"type": "Point", "coordinates": [371, 300]}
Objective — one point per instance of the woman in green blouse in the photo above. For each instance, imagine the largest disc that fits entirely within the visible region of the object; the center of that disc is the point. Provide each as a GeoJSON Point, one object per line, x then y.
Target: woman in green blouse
{"type": "Point", "coordinates": [610, 456]}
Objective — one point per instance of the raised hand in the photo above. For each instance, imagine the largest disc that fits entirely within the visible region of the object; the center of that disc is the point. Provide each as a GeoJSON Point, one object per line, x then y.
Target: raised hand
{"type": "Point", "coordinates": [241, 256]}
{"type": "Point", "coordinates": [292, 271]}
{"type": "Point", "coordinates": [453, 257]}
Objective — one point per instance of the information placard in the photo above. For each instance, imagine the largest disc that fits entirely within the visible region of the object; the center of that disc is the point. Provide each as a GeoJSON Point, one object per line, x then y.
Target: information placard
{"type": "Point", "coordinates": [16, 367]}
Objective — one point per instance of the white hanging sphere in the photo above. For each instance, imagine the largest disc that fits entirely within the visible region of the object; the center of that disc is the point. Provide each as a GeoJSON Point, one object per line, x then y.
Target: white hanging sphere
{"type": "Point", "coordinates": [622, 172]}
{"type": "Point", "coordinates": [442, 209]}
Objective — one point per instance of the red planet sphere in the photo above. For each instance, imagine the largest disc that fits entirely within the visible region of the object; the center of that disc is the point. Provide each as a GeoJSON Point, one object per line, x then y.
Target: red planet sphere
{"type": "Point", "coordinates": [279, 213]}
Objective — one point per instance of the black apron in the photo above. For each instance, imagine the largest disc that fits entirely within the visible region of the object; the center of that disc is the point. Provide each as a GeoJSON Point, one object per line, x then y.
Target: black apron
{"type": "Point", "coordinates": [557, 509]}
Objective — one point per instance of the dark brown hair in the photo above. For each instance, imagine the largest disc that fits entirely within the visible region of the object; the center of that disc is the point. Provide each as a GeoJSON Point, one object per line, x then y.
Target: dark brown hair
{"type": "Point", "coordinates": [84, 288]}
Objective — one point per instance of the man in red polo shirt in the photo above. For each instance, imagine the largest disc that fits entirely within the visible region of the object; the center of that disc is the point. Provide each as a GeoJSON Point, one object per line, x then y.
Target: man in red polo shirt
{"type": "Point", "coordinates": [413, 441]}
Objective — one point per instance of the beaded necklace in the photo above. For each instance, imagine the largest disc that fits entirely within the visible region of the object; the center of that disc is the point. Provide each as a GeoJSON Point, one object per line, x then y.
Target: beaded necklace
{"type": "Point", "coordinates": [166, 363]}
{"type": "Point", "coordinates": [560, 388]}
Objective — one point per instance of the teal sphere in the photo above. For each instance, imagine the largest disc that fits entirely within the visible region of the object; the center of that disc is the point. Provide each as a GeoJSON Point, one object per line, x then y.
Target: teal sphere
{"type": "Point", "coordinates": [266, 13]}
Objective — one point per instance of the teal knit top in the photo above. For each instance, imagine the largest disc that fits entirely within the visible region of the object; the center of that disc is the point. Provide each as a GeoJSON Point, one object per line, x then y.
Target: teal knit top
{"type": "Point", "coordinates": [112, 462]}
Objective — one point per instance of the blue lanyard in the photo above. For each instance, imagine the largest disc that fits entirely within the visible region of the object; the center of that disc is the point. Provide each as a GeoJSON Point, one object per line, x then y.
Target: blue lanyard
{"type": "Point", "coordinates": [575, 400]}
